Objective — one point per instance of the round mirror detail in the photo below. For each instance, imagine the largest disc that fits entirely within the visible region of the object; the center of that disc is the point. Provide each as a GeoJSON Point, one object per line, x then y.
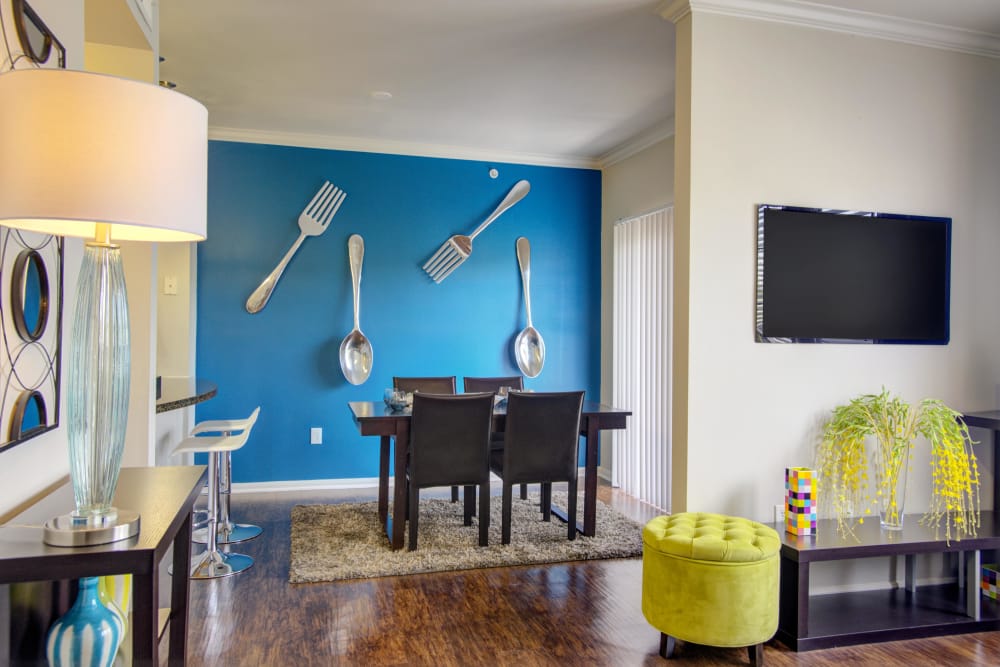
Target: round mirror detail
{"type": "Point", "coordinates": [29, 295]}
{"type": "Point", "coordinates": [29, 415]}
{"type": "Point", "coordinates": [36, 39]}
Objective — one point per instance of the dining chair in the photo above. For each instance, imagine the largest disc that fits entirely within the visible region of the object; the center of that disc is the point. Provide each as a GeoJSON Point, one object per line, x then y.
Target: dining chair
{"type": "Point", "coordinates": [541, 445]}
{"type": "Point", "coordinates": [494, 384]}
{"type": "Point", "coordinates": [450, 445]}
{"type": "Point", "coordinates": [429, 385]}
{"type": "Point", "coordinates": [473, 384]}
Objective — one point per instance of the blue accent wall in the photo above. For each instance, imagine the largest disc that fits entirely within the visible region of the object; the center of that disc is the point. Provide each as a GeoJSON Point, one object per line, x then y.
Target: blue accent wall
{"type": "Point", "coordinates": [284, 358]}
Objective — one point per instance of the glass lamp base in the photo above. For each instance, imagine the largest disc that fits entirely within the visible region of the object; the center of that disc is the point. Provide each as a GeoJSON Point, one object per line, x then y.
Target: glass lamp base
{"type": "Point", "coordinates": [68, 530]}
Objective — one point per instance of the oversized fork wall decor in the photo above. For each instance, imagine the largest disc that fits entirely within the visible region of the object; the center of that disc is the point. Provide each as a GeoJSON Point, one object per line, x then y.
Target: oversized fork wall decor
{"type": "Point", "coordinates": [313, 221]}
{"type": "Point", "coordinates": [458, 247]}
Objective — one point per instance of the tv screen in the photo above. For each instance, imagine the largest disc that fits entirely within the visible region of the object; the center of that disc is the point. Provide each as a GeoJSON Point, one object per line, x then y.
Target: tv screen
{"type": "Point", "coordinates": [826, 276]}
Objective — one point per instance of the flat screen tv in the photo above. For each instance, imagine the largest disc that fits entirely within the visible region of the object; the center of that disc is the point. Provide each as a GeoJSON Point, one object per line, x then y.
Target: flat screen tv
{"type": "Point", "coordinates": [828, 276]}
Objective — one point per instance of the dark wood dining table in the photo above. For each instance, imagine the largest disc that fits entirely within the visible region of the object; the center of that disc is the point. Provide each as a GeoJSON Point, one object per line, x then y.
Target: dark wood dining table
{"type": "Point", "coordinates": [375, 418]}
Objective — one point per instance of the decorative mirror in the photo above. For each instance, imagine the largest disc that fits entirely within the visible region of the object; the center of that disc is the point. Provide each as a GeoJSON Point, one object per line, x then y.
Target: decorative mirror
{"type": "Point", "coordinates": [37, 41]}
{"type": "Point", "coordinates": [31, 267]}
{"type": "Point", "coordinates": [29, 295]}
{"type": "Point", "coordinates": [29, 416]}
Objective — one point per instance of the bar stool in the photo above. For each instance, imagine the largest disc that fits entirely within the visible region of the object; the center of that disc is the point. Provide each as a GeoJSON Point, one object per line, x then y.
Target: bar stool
{"type": "Point", "coordinates": [227, 531]}
{"type": "Point", "coordinates": [214, 563]}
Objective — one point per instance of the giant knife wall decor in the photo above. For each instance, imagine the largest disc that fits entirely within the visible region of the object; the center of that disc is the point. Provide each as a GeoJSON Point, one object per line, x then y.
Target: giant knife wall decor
{"type": "Point", "coordinates": [313, 221]}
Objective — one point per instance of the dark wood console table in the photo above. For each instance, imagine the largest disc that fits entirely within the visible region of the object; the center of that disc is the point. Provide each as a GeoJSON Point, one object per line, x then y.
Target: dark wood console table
{"type": "Point", "coordinates": [163, 496]}
{"type": "Point", "coordinates": [840, 619]}
{"type": "Point", "coordinates": [989, 419]}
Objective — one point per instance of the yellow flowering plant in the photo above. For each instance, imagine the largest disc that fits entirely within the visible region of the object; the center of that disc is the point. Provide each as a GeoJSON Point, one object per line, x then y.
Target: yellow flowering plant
{"type": "Point", "coordinates": [855, 481]}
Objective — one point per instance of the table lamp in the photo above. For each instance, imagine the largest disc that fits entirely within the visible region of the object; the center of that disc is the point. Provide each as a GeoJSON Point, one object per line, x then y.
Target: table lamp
{"type": "Point", "coordinates": [107, 159]}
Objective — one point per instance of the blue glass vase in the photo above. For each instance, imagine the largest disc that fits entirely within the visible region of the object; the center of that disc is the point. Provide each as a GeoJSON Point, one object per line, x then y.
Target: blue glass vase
{"type": "Point", "coordinates": [88, 634]}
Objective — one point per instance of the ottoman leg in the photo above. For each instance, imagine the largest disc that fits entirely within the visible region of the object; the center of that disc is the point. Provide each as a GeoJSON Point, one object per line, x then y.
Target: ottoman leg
{"type": "Point", "coordinates": [756, 655]}
{"type": "Point", "coordinates": [667, 644]}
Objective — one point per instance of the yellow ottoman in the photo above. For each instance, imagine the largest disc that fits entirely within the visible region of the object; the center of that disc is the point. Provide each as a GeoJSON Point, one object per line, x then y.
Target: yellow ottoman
{"type": "Point", "coordinates": [710, 579]}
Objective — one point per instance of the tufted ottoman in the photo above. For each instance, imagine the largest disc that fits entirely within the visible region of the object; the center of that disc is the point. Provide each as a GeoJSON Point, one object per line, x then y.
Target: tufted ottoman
{"type": "Point", "coordinates": [710, 579]}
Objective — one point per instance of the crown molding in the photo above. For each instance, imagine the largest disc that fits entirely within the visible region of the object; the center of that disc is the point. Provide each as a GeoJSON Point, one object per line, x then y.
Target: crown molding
{"type": "Point", "coordinates": [363, 145]}
{"type": "Point", "coordinates": [837, 19]}
{"type": "Point", "coordinates": [643, 141]}
{"type": "Point", "coordinates": [674, 10]}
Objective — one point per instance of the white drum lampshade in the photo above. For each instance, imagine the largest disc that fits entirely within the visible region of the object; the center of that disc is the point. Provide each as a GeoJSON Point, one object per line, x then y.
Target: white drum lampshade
{"type": "Point", "coordinates": [106, 159]}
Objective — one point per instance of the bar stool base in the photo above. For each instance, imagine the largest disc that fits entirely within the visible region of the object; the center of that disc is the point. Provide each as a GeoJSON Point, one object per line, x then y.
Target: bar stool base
{"type": "Point", "coordinates": [238, 532]}
{"type": "Point", "coordinates": [213, 565]}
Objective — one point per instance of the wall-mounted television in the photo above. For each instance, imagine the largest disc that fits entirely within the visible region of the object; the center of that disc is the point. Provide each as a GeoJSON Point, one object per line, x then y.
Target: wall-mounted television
{"type": "Point", "coordinates": [830, 276]}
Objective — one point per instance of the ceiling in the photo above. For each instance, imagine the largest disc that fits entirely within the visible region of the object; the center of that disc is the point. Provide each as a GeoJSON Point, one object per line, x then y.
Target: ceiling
{"type": "Point", "coordinates": [540, 81]}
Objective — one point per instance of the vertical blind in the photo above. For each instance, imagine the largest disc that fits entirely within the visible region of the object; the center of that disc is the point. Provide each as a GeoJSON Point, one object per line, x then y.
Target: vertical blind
{"type": "Point", "coordinates": [641, 355]}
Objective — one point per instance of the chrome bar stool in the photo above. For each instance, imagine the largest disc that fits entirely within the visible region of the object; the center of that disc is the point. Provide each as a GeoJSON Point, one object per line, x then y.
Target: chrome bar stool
{"type": "Point", "coordinates": [227, 531]}
{"type": "Point", "coordinates": [213, 563]}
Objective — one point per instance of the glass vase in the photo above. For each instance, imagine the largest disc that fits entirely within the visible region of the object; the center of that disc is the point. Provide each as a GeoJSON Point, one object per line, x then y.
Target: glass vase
{"type": "Point", "coordinates": [893, 497]}
{"type": "Point", "coordinates": [88, 634]}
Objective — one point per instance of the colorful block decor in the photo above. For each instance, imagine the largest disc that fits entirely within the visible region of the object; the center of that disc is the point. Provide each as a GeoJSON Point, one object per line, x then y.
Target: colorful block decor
{"type": "Point", "coordinates": [800, 501]}
{"type": "Point", "coordinates": [989, 585]}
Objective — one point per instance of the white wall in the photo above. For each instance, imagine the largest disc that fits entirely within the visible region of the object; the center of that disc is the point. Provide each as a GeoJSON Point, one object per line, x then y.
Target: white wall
{"type": "Point", "coordinates": [792, 115]}
{"type": "Point", "coordinates": [175, 341]}
{"type": "Point", "coordinates": [31, 467]}
{"type": "Point", "coordinates": [640, 183]}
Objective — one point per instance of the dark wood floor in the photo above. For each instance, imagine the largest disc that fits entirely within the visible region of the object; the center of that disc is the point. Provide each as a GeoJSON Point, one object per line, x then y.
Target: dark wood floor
{"type": "Point", "coordinates": [585, 613]}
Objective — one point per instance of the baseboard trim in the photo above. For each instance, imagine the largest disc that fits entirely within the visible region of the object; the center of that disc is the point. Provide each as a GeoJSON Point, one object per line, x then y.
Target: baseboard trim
{"type": "Point", "coordinates": [306, 485]}
{"type": "Point", "coordinates": [328, 484]}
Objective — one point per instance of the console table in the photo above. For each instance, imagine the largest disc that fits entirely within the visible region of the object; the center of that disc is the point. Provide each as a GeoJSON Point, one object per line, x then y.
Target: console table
{"type": "Point", "coordinates": [163, 496]}
{"type": "Point", "coordinates": [822, 621]}
{"type": "Point", "coordinates": [989, 419]}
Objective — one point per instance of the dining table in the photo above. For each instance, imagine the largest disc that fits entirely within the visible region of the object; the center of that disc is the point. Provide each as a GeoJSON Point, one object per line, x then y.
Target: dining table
{"type": "Point", "coordinates": [375, 418]}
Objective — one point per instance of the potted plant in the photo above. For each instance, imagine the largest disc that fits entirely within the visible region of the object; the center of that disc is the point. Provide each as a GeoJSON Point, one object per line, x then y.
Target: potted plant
{"type": "Point", "coordinates": [856, 480]}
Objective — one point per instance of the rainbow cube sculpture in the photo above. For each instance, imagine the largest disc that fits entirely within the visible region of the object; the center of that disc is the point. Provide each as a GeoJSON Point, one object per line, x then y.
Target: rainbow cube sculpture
{"type": "Point", "coordinates": [990, 584]}
{"type": "Point", "coordinates": [800, 501]}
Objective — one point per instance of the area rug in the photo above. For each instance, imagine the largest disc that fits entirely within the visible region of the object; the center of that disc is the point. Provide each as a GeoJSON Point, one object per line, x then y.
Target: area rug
{"type": "Point", "coordinates": [346, 540]}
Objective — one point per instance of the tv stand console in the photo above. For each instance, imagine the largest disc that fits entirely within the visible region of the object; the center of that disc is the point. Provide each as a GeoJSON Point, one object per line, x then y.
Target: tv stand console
{"type": "Point", "coordinates": [808, 622]}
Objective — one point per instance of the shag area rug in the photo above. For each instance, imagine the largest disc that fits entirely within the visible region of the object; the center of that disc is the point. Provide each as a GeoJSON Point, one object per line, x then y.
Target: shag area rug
{"type": "Point", "coordinates": [346, 541]}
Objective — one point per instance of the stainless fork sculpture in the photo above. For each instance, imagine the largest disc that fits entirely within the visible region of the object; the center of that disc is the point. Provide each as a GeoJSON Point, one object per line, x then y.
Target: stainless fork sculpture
{"type": "Point", "coordinates": [313, 221]}
{"type": "Point", "coordinates": [457, 248]}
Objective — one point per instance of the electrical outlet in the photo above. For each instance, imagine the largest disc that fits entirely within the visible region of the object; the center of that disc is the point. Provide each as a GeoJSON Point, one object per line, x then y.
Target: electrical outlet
{"type": "Point", "coordinates": [779, 513]}
{"type": "Point", "coordinates": [315, 436]}
{"type": "Point", "coordinates": [170, 285]}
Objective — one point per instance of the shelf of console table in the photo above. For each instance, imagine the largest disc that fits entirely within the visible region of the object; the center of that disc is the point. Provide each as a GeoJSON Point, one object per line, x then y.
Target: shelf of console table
{"type": "Point", "coordinates": [810, 622]}
{"type": "Point", "coordinates": [163, 496]}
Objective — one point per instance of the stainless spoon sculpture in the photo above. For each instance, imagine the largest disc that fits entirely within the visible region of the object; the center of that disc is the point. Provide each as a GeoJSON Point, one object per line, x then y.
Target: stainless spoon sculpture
{"type": "Point", "coordinates": [356, 349]}
{"type": "Point", "coordinates": [529, 348]}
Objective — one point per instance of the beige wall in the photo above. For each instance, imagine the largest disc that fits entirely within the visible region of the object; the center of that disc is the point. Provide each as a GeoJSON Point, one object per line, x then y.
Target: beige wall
{"type": "Point", "coordinates": [640, 183]}
{"type": "Point", "coordinates": [791, 115]}
{"type": "Point", "coordinates": [31, 467]}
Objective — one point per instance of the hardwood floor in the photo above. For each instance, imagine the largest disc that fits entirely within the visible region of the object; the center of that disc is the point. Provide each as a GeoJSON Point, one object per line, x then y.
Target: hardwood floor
{"type": "Point", "coordinates": [584, 613]}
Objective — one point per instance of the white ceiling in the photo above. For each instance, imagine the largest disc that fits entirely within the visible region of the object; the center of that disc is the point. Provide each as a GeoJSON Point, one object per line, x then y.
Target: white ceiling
{"type": "Point", "coordinates": [543, 81]}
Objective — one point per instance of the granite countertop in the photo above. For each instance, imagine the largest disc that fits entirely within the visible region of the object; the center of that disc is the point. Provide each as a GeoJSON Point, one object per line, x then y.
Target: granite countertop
{"type": "Point", "coordinates": [182, 392]}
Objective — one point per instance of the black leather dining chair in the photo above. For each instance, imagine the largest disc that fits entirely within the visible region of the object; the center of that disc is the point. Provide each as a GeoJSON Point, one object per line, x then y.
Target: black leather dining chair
{"type": "Point", "coordinates": [473, 384]}
{"type": "Point", "coordinates": [450, 445]}
{"type": "Point", "coordinates": [441, 384]}
{"type": "Point", "coordinates": [541, 445]}
{"type": "Point", "coordinates": [428, 385]}
{"type": "Point", "coordinates": [494, 384]}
